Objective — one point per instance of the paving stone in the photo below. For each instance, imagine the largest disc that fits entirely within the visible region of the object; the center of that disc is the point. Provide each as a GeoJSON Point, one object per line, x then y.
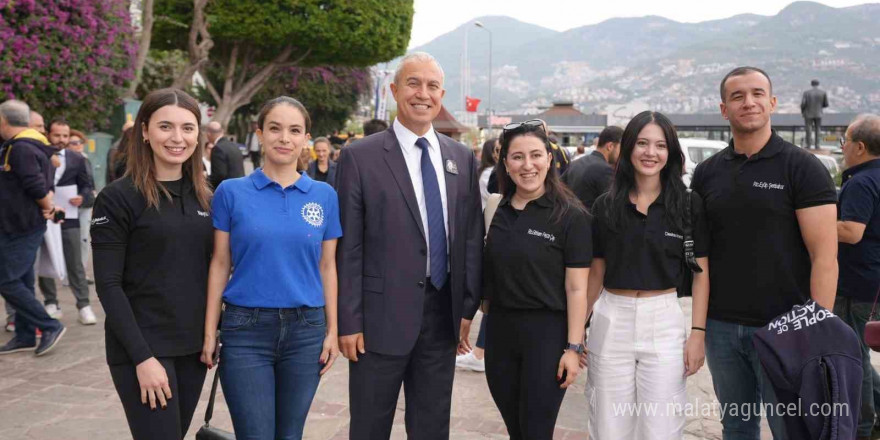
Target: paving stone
{"type": "Point", "coordinates": [68, 395]}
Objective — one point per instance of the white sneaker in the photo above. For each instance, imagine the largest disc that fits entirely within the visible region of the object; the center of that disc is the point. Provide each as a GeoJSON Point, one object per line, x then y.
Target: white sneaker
{"type": "Point", "coordinates": [87, 316]}
{"type": "Point", "coordinates": [470, 362]}
{"type": "Point", "coordinates": [54, 311]}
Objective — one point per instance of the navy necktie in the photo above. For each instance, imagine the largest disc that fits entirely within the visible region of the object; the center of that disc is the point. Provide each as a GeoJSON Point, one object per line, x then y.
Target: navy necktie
{"type": "Point", "coordinates": [436, 225]}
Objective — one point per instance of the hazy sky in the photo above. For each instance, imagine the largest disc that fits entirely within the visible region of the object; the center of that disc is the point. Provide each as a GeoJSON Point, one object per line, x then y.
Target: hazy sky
{"type": "Point", "coordinates": [436, 17]}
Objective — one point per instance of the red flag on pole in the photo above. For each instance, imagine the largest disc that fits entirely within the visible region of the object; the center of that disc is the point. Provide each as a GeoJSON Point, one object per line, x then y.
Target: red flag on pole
{"type": "Point", "coordinates": [471, 104]}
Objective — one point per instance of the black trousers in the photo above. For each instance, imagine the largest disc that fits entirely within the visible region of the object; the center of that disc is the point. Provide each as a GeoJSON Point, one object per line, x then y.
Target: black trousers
{"type": "Point", "coordinates": [186, 375]}
{"type": "Point", "coordinates": [426, 374]}
{"type": "Point", "coordinates": [813, 127]}
{"type": "Point", "coordinates": [521, 366]}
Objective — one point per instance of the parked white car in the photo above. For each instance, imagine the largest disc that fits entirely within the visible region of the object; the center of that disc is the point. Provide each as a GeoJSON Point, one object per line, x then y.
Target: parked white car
{"type": "Point", "coordinates": [830, 163]}
{"type": "Point", "coordinates": [695, 151]}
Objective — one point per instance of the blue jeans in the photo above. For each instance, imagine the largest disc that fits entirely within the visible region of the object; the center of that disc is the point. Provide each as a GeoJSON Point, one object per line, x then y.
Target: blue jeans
{"type": "Point", "coordinates": [855, 314]}
{"type": "Point", "coordinates": [269, 369]}
{"type": "Point", "coordinates": [17, 256]}
{"type": "Point", "coordinates": [739, 380]}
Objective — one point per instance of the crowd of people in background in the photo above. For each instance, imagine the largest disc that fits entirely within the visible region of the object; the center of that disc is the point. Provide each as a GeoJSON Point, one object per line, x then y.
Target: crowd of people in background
{"type": "Point", "coordinates": [384, 247]}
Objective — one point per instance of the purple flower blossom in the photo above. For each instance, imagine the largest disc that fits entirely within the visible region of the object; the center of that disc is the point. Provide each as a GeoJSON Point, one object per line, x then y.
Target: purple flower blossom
{"type": "Point", "coordinates": [71, 57]}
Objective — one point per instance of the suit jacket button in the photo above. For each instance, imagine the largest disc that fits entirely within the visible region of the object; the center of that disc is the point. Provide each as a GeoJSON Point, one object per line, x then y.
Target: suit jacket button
{"type": "Point", "coordinates": [421, 284]}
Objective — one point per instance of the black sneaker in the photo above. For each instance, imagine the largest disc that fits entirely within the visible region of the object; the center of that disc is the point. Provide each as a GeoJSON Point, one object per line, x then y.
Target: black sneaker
{"type": "Point", "coordinates": [15, 345]}
{"type": "Point", "coordinates": [50, 340]}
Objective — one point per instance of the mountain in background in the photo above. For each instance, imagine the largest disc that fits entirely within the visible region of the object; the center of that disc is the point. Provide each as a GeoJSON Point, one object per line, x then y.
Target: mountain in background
{"type": "Point", "coordinates": [657, 63]}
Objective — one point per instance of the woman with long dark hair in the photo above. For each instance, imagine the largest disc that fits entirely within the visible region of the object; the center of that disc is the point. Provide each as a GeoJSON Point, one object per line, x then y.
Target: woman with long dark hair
{"type": "Point", "coordinates": [278, 228]}
{"type": "Point", "coordinates": [637, 349]}
{"type": "Point", "coordinates": [535, 268]}
{"type": "Point", "coordinates": [151, 241]}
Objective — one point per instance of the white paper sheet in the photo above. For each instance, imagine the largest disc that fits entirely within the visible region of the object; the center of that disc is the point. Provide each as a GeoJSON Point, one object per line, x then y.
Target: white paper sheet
{"type": "Point", "coordinates": [63, 194]}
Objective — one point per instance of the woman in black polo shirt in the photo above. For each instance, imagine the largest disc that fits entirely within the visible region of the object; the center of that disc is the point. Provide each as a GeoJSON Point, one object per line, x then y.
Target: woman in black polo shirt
{"type": "Point", "coordinates": [536, 265]}
{"type": "Point", "coordinates": [637, 349]}
{"type": "Point", "coordinates": [152, 239]}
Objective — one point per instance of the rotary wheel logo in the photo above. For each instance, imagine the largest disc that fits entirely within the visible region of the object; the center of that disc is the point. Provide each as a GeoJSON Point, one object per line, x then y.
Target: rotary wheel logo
{"type": "Point", "coordinates": [313, 214]}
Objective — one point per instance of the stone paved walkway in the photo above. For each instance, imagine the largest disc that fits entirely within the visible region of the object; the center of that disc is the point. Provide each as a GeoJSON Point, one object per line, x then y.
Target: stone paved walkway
{"type": "Point", "coordinates": [68, 395]}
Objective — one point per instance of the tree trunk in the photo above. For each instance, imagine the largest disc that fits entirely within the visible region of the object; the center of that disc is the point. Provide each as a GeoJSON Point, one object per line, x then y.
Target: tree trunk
{"type": "Point", "coordinates": [143, 45]}
{"type": "Point", "coordinates": [233, 97]}
{"type": "Point", "coordinates": [199, 46]}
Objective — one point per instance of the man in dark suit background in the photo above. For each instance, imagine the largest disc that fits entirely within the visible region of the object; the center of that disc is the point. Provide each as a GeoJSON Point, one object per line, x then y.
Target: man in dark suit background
{"type": "Point", "coordinates": [812, 103]}
{"type": "Point", "coordinates": [226, 159]}
{"type": "Point", "coordinates": [409, 261]}
{"type": "Point", "coordinates": [591, 176]}
{"type": "Point", "coordinates": [72, 171]}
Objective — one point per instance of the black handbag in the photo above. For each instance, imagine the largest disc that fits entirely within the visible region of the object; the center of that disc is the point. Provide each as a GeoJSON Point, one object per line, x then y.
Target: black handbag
{"type": "Point", "coordinates": [689, 262]}
{"type": "Point", "coordinates": [208, 432]}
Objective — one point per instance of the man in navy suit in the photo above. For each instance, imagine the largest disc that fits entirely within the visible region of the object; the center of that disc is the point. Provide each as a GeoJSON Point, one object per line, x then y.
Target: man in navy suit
{"type": "Point", "coordinates": [73, 171]}
{"type": "Point", "coordinates": [409, 261]}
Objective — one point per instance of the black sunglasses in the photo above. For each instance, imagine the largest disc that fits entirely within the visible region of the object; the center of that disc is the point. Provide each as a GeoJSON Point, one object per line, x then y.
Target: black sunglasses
{"type": "Point", "coordinates": [531, 123]}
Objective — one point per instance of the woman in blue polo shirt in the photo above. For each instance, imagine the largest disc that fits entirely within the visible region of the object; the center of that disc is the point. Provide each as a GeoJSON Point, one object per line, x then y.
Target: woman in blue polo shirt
{"type": "Point", "coordinates": [278, 229]}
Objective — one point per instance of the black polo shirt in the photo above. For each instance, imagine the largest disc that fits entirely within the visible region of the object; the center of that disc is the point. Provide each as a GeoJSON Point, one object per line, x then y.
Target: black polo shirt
{"type": "Point", "coordinates": [151, 270]}
{"type": "Point", "coordinates": [645, 252]}
{"type": "Point", "coordinates": [759, 265]}
{"type": "Point", "coordinates": [589, 177]}
{"type": "Point", "coordinates": [860, 202]}
{"type": "Point", "coordinates": [527, 252]}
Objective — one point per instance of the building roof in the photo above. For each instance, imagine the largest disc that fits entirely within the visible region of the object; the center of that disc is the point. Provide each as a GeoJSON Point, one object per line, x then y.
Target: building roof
{"type": "Point", "coordinates": [561, 118]}
{"type": "Point", "coordinates": [446, 123]}
{"type": "Point", "coordinates": [715, 120]}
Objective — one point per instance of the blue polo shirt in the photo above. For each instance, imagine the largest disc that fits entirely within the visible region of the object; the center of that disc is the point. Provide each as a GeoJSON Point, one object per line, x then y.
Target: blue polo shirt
{"type": "Point", "coordinates": [860, 202]}
{"type": "Point", "coordinates": [275, 237]}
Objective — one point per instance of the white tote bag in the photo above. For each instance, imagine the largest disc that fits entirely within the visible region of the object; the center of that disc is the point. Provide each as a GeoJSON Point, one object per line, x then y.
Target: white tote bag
{"type": "Point", "coordinates": [51, 262]}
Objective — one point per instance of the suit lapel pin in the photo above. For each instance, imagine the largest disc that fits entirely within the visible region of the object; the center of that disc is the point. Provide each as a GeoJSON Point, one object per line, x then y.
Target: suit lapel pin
{"type": "Point", "coordinates": [451, 167]}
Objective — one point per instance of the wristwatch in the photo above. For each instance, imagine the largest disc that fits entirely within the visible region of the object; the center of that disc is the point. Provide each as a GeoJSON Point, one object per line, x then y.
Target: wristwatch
{"type": "Point", "coordinates": [577, 348]}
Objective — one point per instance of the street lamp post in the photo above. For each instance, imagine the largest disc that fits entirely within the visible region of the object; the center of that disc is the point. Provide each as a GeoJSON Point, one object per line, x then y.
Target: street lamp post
{"type": "Point", "coordinates": [489, 106]}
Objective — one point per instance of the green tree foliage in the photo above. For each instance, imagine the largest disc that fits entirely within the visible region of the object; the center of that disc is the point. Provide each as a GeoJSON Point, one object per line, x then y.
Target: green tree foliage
{"type": "Point", "coordinates": [252, 40]}
{"type": "Point", "coordinates": [160, 70]}
{"type": "Point", "coordinates": [330, 94]}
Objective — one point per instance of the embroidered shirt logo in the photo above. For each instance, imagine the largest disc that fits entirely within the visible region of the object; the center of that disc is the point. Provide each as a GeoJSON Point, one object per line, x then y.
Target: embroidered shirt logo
{"type": "Point", "coordinates": [766, 185]}
{"type": "Point", "coordinates": [670, 234]}
{"type": "Point", "coordinates": [203, 213]}
{"type": "Point", "coordinates": [313, 214]}
{"type": "Point", "coordinates": [545, 235]}
{"type": "Point", "coordinates": [100, 221]}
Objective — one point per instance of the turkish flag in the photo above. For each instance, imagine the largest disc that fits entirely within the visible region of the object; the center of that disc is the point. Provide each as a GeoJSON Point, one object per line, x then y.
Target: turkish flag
{"type": "Point", "coordinates": [471, 104]}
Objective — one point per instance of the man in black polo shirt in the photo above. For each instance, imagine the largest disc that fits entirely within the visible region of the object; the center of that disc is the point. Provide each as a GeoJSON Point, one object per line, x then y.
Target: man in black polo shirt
{"type": "Point", "coordinates": [26, 200]}
{"type": "Point", "coordinates": [591, 176]}
{"type": "Point", "coordinates": [771, 213]}
{"type": "Point", "coordinates": [858, 230]}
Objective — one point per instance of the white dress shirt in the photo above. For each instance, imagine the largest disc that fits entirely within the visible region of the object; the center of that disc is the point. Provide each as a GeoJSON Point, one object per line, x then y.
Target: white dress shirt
{"type": "Point", "coordinates": [413, 156]}
{"type": "Point", "coordinates": [60, 170]}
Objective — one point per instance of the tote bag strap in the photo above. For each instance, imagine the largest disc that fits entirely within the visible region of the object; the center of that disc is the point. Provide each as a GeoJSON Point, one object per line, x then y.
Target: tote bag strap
{"type": "Point", "coordinates": [491, 206]}
{"type": "Point", "coordinates": [874, 307]}
{"type": "Point", "coordinates": [209, 412]}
